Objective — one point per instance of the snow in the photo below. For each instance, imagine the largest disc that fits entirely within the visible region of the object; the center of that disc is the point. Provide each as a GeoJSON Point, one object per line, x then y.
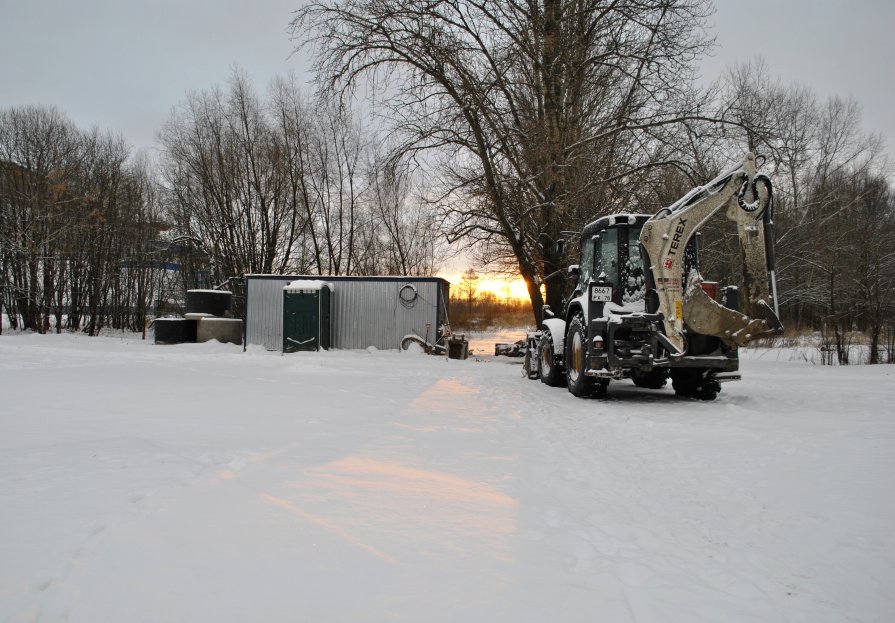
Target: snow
{"type": "Point", "coordinates": [307, 284]}
{"type": "Point", "coordinates": [557, 328]}
{"type": "Point", "coordinates": [630, 307]}
{"type": "Point", "coordinates": [199, 483]}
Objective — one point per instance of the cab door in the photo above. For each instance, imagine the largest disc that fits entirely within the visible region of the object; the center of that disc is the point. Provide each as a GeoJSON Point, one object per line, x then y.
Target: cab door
{"type": "Point", "coordinates": [606, 278]}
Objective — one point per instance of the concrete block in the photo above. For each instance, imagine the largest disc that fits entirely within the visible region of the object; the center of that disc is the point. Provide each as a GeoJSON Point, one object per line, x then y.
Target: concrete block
{"type": "Point", "coordinates": [227, 330]}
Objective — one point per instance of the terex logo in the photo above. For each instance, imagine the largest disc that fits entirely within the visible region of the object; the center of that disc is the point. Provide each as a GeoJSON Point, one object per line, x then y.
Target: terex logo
{"type": "Point", "coordinates": [676, 240]}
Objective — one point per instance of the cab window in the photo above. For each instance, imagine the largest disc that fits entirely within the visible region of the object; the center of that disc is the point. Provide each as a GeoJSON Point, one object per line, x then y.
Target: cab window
{"type": "Point", "coordinates": [632, 278]}
{"type": "Point", "coordinates": [607, 256]}
{"type": "Point", "coordinates": [586, 265]}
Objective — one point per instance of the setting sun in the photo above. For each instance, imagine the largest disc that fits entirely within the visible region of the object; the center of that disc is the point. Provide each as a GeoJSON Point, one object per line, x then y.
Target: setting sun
{"type": "Point", "coordinates": [504, 288]}
{"type": "Point", "coordinates": [498, 285]}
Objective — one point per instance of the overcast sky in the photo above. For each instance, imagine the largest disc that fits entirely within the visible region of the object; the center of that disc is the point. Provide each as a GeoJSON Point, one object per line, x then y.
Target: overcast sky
{"type": "Point", "coordinates": [122, 65]}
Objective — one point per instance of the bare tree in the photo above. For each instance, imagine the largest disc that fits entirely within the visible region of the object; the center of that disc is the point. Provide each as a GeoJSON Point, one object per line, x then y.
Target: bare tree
{"type": "Point", "coordinates": [292, 117]}
{"type": "Point", "coordinates": [38, 152]}
{"type": "Point", "coordinates": [832, 205]}
{"type": "Point", "coordinates": [231, 185]}
{"type": "Point", "coordinates": [76, 226]}
{"type": "Point", "coordinates": [469, 287]}
{"type": "Point", "coordinates": [285, 184]}
{"type": "Point", "coordinates": [336, 157]}
{"type": "Point", "coordinates": [410, 232]}
{"type": "Point", "coordinates": [541, 113]}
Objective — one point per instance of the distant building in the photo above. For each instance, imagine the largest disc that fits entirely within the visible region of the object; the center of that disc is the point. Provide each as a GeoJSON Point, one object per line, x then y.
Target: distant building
{"type": "Point", "coordinates": [365, 311]}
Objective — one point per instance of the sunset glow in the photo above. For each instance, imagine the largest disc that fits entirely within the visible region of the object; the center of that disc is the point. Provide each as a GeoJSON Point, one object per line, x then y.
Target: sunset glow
{"type": "Point", "coordinates": [503, 288]}
{"type": "Point", "coordinates": [498, 285]}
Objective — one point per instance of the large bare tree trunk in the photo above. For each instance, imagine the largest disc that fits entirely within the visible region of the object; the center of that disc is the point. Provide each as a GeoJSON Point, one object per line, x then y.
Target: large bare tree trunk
{"type": "Point", "coordinates": [539, 114]}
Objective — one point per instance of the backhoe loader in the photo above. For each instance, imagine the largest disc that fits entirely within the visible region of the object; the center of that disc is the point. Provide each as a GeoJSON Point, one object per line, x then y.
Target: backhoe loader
{"type": "Point", "coordinates": [640, 308]}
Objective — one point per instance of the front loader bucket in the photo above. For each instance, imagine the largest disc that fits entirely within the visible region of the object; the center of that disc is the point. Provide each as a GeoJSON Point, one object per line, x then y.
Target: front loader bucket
{"type": "Point", "coordinates": [704, 315]}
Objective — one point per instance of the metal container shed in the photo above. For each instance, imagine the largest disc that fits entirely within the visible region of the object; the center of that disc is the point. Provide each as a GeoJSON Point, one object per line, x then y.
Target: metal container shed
{"type": "Point", "coordinates": [366, 311]}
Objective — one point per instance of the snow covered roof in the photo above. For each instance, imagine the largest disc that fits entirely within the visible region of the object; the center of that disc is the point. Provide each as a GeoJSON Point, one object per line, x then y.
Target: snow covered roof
{"type": "Point", "coordinates": [612, 220]}
{"type": "Point", "coordinates": [306, 284]}
{"type": "Point", "coordinates": [340, 278]}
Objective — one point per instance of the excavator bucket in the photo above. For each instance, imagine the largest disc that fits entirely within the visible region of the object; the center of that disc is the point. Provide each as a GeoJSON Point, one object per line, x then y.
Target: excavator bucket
{"type": "Point", "coordinates": [706, 316]}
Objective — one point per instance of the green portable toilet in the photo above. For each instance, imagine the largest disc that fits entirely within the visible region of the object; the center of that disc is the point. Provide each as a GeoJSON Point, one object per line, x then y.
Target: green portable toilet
{"type": "Point", "coordinates": [307, 316]}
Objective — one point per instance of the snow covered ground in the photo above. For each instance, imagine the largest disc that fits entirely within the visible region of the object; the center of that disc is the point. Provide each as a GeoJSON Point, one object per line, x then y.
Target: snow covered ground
{"type": "Point", "coordinates": [200, 483]}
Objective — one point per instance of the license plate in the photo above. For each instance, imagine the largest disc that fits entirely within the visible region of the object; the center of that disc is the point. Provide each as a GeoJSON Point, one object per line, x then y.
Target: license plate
{"type": "Point", "coordinates": [601, 294]}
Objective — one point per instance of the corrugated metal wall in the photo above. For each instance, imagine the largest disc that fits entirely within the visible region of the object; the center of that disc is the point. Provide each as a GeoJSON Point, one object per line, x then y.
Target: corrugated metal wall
{"type": "Point", "coordinates": [366, 312]}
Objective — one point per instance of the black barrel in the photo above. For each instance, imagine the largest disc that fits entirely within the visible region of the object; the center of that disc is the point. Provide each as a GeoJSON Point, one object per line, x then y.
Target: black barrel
{"type": "Point", "coordinates": [730, 297]}
{"type": "Point", "coordinates": [174, 330]}
{"type": "Point", "coordinates": [214, 302]}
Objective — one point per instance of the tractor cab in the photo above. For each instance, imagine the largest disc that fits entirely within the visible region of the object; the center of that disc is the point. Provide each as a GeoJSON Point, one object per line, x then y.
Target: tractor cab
{"type": "Point", "coordinates": [612, 266]}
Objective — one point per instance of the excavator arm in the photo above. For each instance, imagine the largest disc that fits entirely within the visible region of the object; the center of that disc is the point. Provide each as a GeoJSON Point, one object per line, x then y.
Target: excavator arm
{"type": "Point", "coordinates": [747, 198]}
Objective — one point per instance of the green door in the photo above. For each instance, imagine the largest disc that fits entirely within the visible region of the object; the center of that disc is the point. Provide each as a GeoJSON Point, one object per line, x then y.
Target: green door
{"type": "Point", "coordinates": [306, 319]}
{"type": "Point", "coordinates": [301, 320]}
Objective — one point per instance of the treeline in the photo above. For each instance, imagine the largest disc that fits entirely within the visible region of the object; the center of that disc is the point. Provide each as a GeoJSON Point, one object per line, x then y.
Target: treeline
{"type": "Point", "coordinates": [79, 221]}
{"type": "Point", "coordinates": [547, 115]}
{"type": "Point", "coordinates": [834, 209]}
{"type": "Point", "coordinates": [93, 237]}
{"type": "Point", "coordinates": [487, 311]}
{"type": "Point", "coordinates": [289, 184]}
{"type": "Point", "coordinates": [474, 310]}
{"type": "Point", "coordinates": [500, 128]}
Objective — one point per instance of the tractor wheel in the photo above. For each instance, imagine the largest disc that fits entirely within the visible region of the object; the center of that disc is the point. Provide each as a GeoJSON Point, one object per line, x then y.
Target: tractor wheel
{"type": "Point", "coordinates": [549, 371]}
{"type": "Point", "coordinates": [578, 382]}
{"type": "Point", "coordinates": [530, 363]}
{"type": "Point", "coordinates": [654, 379]}
{"type": "Point", "coordinates": [692, 383]}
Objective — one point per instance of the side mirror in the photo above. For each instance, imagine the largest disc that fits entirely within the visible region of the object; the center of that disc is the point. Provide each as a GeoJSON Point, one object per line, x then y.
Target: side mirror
{"type": "Point", "coordinates": [574, 270]}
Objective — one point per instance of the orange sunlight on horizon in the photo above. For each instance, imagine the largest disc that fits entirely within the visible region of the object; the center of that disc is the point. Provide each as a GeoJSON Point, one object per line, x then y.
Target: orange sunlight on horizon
{"type": "Point", "coordinates": [498, 285]}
